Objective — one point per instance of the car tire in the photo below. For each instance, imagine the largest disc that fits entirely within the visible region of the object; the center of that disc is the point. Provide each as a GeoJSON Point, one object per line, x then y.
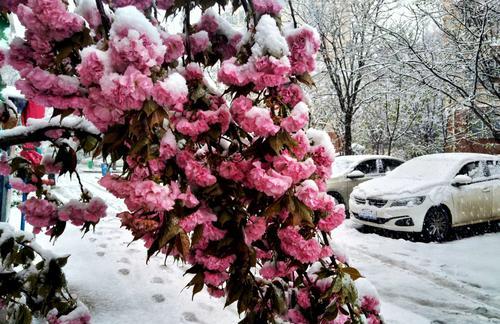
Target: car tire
{"type": "Point", "coordinates": [437, 225]}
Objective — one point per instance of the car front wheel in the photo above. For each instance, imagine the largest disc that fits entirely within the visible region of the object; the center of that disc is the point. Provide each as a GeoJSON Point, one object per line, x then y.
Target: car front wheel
{"type": "Point", "coordinates": [437, 225]}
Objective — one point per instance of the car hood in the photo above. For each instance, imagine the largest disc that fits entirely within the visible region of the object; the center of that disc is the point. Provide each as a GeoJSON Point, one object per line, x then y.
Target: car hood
{"type": "Point", "coordinates": [394, 188]}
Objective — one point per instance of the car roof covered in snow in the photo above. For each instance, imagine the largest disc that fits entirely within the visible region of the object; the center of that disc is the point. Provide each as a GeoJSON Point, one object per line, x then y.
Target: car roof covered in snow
{"type": "Point", "coordinates": [456, 157]}
{"type": "Point", "coordinates": [366, 157]}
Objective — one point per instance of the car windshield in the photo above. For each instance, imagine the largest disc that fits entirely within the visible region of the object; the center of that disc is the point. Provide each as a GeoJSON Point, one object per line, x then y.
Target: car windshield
{"type": "Point", "coordinates": [423, 169]}
{"type": "Point", "coordinates": [342, 164]}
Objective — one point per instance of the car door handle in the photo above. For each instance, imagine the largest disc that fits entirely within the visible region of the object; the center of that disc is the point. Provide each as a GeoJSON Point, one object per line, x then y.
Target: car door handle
{"type": "Point", "coordinates": [486, 190]}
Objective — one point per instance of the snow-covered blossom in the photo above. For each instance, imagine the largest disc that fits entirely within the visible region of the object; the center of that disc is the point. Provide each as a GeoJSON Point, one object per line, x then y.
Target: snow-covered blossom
{"type": "Point", "coordinates": [299, 117]}
{"type": "Point", "coordinates": [293, 244]}
{"type": "Point", "coordinates": [39, 213]}
{"type": "Point", "coordinates": [171, 92]}
{"type": "Point", "coordinates": [134, 40]}
{"type": "Point", "coordinates": [304, 44]}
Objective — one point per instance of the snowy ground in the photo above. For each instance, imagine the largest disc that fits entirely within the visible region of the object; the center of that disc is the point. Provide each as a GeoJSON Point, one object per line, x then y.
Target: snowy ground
{"type": "Point", "coordinates": [455, 282]}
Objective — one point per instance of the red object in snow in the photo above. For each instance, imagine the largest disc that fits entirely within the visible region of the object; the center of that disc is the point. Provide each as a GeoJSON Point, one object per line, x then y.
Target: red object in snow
{"type": "Point", "coordinates": [32, 110]}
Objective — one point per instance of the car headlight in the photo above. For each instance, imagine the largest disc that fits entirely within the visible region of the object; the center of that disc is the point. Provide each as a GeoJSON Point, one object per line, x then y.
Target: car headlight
{"type": "Point", "coordinates": [408, 202]}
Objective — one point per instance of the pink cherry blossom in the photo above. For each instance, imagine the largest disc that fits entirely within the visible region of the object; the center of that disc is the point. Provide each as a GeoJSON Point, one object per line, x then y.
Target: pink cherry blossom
{"type": "Point", "coordinates": [19, 184]}
{"type": "Point", "coordinates": [199, 42]}
{"type": "Point", "coordinates": [171, 92]}
{"type": "Point", "coordinates": [304, 45]}
{"type": "Point", "coordinates": [269, 182]}
{"type": "Point", "coordinates": [333, 220]}
{"type": "Point", "coordinates": [255, 228]}
{"type": "Point", "coordinates": [258, 120]}
{"type": "Point", "coordinates": [267, 6]}
{"type": "Point", "coordinates": [174, 45]}
{"type": "Point", "coordinates": [298, 118]}
{"type": "Point", "coordinates": [288, 166]}
{"type": "Point", "coordinates": [293, 244]}
{"type": "Point", "coordinates": [39, 213]}
{"type": "Point", "coordinates": [272, 269]}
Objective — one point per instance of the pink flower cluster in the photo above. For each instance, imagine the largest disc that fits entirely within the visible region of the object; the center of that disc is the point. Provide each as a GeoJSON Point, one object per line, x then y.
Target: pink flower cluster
{"type": "Point", "coordinates": [199, 42]}
{"type": "Point", "coordinates": [171, 92]}
{"type": "Point", "coordinates": [271, 269]}
{"type": "Point", "coordinates": [255, 229]}
{"type": "Point", "coordinates": [306, 251]}
{"type": "Point", "coordinates": [304, 44]}
{"type": "Point", "coordinates": [134, 41]}
{"type": "Point", "coordinates": [254, 120]}
{"type": "Point", "coordinates": [299, 117]}
{"type": "Point", "coordinates": [269, 182]}
{"type": "Point", "coordinates": [265, 71]}
{"type": "Point", "coordinates": [48, 89]}
{"type": "Point", "coordinates": [39, 213]}
{"type": "Point", "coordinates": [224, 39]}
{"type": "Point", "coordinates": [49, 18]}
{"type": "Point", "coordinates": [267, 6]}
{"type": "Point", "coordinates": [288, 166]}
{"type": "Point", "coordinates": [80, 315]}
{"type": "Point", "coordinates": [235, 169]}
{"type": "Point", "coordinates": [174, 45]}
{"type": "Point", "coordinates": [149, 195]}
{"type": "Point", "coordinates": [168, 145]}
{"type": "Point", "coordinates": [19, 184]}
{"type": "Point", "coordinates": [79, 213]}
{"type": "Point", "coordinates": [291, 94]}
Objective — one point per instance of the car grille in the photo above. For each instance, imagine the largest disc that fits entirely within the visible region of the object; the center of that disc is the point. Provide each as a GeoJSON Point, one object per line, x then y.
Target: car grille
{"type": "Point", "coordinates": [377, 202]}
{"type": "Point", "coordinates": [359, 201]}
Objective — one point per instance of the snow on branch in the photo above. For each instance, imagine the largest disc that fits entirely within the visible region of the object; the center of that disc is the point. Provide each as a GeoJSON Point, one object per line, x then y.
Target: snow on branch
{"type": "Point", "coordinates": [37, 128]}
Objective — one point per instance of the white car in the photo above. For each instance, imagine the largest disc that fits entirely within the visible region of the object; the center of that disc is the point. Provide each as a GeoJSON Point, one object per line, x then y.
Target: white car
{"type": "Point", "coordinates": [431, 194]}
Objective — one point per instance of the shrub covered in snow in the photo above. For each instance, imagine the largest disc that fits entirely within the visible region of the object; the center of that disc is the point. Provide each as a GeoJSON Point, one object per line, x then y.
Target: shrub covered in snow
{"type": "Point", "coordinates": [227, 181]}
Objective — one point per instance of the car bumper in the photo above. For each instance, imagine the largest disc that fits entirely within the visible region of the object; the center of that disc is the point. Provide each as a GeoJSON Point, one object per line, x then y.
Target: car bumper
{"type": "Point", "coordinates": [403, 219]}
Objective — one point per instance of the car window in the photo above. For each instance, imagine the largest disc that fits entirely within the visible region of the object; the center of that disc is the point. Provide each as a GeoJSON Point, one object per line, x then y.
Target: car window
{"type": "Point", "coordinates": [476, 170]}
{"type": "Point", "coordinates": [493, 169]}
{"type": "Point", "coordinates": [391, 164]}
{"type": "Point", "coordinates": [367, 167]}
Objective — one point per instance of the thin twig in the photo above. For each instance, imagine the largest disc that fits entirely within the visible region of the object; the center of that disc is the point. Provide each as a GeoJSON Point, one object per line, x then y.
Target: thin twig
{"type": "Point", "coordinates": [106, 24]}
{"type": "Point", "coordinates": [293, 13]}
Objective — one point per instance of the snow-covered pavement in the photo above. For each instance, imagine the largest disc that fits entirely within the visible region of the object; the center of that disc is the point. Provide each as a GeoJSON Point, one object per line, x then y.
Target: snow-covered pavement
{"type": "Point", "coordinates": [454, 282]}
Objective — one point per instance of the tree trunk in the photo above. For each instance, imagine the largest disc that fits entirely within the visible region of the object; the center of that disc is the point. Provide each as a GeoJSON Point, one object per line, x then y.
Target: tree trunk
{"type": "Point", "coordinates": [348, 133]}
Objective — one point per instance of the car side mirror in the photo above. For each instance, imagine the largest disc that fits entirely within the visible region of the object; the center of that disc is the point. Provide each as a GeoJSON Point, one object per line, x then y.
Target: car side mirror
{"type": "Point", "coordinates": [461, 180]}
{"type": "Point", "coordinates": [356, 174]}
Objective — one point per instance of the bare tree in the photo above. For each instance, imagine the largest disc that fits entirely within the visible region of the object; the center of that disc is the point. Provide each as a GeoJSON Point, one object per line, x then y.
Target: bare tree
{"type": "Point", "coordinates": [349, 36]}
{"type": "Point", "coordinates": [453, 48]}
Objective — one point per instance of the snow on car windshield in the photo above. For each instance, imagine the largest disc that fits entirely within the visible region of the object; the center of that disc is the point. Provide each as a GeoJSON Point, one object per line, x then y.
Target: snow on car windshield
{"type": "Point", "coordinates": [424, 169]}
{"type": "Point", "coordinates": [341, 164]}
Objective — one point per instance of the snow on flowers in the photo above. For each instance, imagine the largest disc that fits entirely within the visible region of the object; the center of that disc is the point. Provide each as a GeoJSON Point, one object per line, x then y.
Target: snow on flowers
{"type": "Point", "coordinates": [226, 180]}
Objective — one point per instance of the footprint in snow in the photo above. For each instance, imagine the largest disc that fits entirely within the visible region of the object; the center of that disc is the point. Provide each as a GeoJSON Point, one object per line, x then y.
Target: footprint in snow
{"type": "Point", "coordinates": [190, 317]}
{"type": "Point", "coordinates": [132, 251]}
{"type": "Point", "coordinates": [100, 253]}
{"type": "Point", "coordinates": [103, 245]}
{"type": "Point", "coordinates": [159, 298]}
{"type": "Point", "coordinates": [157, 280]}
{"type": "Point", "coordinates": [124, 271]}
{"type": "Point", "coordinates": [92, 239]}
{"type": "Point", "coordinates": [124, 260]}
